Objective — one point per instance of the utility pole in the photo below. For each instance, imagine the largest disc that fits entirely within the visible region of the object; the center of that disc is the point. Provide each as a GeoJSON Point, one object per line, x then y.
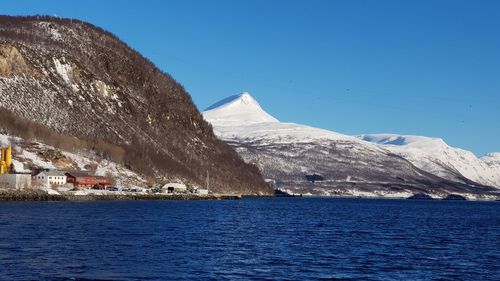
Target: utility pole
{"type": "Point", "coordinates": [208, 181]}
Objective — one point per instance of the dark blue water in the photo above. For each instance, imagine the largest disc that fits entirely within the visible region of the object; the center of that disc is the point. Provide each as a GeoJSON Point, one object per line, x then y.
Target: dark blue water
{"type": "Point", "coordinates": [259, 239]}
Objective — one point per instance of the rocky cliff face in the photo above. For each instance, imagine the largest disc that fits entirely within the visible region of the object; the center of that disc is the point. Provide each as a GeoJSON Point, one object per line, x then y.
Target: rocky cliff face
{"type": "Point", "coordinates": [80, 81]}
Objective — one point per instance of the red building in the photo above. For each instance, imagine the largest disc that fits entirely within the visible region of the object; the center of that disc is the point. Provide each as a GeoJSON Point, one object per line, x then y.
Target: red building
{"type": "Point", "coordinates": [83, 180]}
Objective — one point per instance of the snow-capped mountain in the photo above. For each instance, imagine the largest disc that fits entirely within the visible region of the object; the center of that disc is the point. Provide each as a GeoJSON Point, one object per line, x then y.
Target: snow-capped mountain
{"type": "Point", "coordinates": [435, 156]}
{"type": "Point", "coordinates": [236, 110]}
{"type": "Point", "coordinates": [288, 154]}
{"type": "Point", "coordinates": [241, 117]}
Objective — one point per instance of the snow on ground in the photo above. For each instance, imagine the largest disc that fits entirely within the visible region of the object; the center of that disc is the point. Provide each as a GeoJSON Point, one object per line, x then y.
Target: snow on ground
{"type": "Point", "coordinates": [50, 191]}
{"type": "Point", "coordinates": [98, 192]}
{"type": "Point", "coordinates": [51, 29]}
{"type": "Point", "coordinates": [492, 159]}
{"type": "Point", "coordinates": [105, 167]}
{"type": "Point", "coordinates": [34, 158]}
{"type": "Point", "coordinates": [63, 69]}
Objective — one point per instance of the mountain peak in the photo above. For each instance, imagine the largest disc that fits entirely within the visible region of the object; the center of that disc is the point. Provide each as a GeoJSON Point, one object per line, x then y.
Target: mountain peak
{"type": "Point", "coordinates": [244, 98]}
{"type": "Point", "coordinates": [241, 109]}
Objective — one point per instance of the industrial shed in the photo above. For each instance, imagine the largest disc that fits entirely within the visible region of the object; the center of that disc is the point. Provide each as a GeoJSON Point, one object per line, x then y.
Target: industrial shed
{"type": "Point", "coordinates": [174, 187]}
{"type": "Point", "coordinates": [84, 180]}
{"type": "Point", "coordinates": [15, 181]}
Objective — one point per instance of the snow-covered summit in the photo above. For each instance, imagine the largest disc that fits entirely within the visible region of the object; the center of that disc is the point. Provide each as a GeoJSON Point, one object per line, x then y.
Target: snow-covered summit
{"type": "Point", "coordinates": [242, 117]}
{"type": "Point", "coordinates": [237, 110]}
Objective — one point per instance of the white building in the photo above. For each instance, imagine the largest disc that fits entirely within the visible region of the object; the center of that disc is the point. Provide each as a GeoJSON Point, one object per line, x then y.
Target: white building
{"type": "Point", "coordinates": [174, 187]}
{"type": "Point", "coordinates": [200, 191]}
{"type": "Point", "coordinates": [51, 178]}
{"type": "Point", "coordinates": [15, 181]}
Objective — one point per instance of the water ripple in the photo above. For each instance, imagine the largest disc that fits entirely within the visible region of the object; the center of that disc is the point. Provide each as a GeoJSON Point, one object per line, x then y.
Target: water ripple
{"type": "Point", "coordinates": [254, 239]}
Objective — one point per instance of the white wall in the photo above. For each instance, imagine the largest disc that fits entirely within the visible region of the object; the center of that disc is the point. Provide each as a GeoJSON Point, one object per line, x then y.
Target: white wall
{"type": "Point", "coordinates": [48, 181]}
{"type": "Point", "coordinates": [15, 181]}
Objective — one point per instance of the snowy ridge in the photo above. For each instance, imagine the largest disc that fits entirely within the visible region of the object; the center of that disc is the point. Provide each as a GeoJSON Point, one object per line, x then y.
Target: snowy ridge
{"type": "Point", "coordinates": [437, 157]}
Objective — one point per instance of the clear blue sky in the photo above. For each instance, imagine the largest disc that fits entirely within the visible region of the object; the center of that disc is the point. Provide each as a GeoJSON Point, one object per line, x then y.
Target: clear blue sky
{"type": "Point", "coordinates": [408, 67]}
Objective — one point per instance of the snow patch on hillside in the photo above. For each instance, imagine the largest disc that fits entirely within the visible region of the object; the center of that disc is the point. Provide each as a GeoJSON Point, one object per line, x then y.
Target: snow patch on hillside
{"type": "Point", "coordinates": [51, 30]}
{"type": "Point", "coordinates": [63, 69]}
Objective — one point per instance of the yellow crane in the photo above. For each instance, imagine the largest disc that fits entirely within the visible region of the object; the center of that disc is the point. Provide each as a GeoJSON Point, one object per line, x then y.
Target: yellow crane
{"type": "Point", "coordinates": [6, 160]}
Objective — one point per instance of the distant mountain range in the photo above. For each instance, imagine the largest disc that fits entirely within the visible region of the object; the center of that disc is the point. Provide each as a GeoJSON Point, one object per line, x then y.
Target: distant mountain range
{"type": "Point", "coordinates": [435, 156]}
{"type": "Point", "coordinates": [288, 154]}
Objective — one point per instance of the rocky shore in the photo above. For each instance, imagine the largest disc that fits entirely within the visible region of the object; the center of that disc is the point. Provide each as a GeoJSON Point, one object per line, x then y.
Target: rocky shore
{"type": "Point", "coordinates": [40, 195]}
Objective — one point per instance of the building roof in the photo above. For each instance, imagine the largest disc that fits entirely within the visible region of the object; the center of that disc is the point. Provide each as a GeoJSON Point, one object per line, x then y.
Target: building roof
{"type": "Point", "coordinates": [52, 173]}
{"type": "Point", "coordinates": [79, 174]}
{"type": "Point", "coordinates": [84, 175]}
{"type": "Point", "coordinates": [174, 185]}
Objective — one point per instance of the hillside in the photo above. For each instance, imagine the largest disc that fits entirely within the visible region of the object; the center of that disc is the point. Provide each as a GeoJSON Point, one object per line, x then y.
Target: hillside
{"type": "Point", "coordinates": [289, 155]}
{"type": "Point", "coordinates": [68, 83]}
{"type": "Point", "coordinates": [29, 157]}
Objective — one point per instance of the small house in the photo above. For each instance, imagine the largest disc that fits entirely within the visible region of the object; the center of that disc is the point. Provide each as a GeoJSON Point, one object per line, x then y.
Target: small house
{"type": "Point", "coordinates": [50, 178]}
{"type": "Point", "coordinates": [174, 187]}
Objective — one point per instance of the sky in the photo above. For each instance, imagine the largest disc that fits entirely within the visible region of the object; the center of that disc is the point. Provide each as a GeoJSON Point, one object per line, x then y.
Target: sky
{"type": "Point", "coordinates": [417, 67]}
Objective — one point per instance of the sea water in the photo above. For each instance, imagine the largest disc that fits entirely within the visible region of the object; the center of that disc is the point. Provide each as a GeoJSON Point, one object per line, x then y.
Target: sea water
{"type": "Point", "coordinates": [250, 239]}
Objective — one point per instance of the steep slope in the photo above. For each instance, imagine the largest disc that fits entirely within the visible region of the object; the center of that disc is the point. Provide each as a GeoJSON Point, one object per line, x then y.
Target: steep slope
{"type": "Point", "coordinates": [435, 156]}
{"type": "Point", "coordinates": [80, 81]}
{"type": "Point", "coordinates": [286, 153]}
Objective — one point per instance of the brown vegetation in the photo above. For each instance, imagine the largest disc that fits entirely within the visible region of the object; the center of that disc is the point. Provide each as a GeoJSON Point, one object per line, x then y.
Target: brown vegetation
{"type": "Point", "coordinates": [33, 131]}
{"type": "Point", "coordinates": [11, 61]}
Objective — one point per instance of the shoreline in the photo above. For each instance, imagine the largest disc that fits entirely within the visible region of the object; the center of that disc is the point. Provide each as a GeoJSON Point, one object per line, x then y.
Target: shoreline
{"type": "Point", "coordinates": [34, 195]}
{"type": "Point", "coordinates": [7, 195]}
{"type": "Point", "coordinates": [397, 198]}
